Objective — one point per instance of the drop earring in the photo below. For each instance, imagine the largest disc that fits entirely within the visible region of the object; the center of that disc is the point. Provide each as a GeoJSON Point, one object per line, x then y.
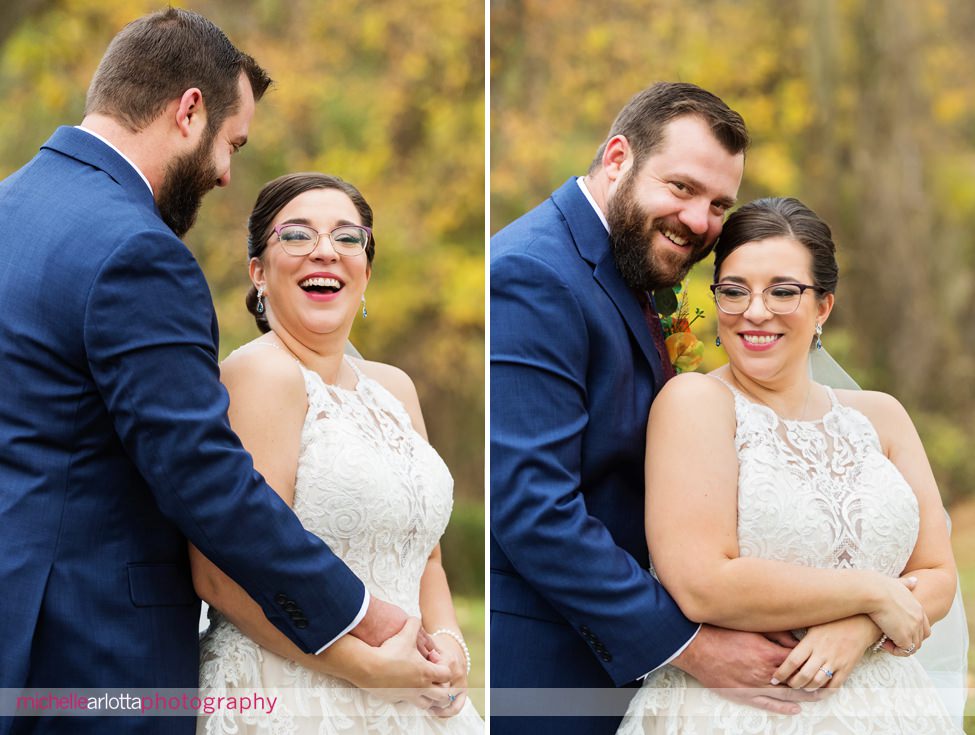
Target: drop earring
{"type": "Point", "coordinates": [260, 300]}
{"type": "Point", "coordinates": [819, 332]}
{"type": "Point", "coordinates": [717, 341]}
{"type": "Point", "coordinates": [364, 312]}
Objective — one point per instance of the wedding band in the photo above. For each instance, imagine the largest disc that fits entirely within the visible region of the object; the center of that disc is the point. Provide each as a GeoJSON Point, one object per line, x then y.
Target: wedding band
{"type": "Point", "coordinates": [829, 674]}
{"type": "Point", "coordinates": [910, 650]}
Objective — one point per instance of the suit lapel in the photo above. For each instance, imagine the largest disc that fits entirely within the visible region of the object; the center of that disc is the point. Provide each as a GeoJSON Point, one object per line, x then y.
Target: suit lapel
{"type": "Point", "coordinates": [592, 242]}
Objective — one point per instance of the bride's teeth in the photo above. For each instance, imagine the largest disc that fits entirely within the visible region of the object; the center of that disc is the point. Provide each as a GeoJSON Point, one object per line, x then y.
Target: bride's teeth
{"type": "Point", "coordinates": [321, 282]}
{"type": "Point", "coordinates": [759, 340]}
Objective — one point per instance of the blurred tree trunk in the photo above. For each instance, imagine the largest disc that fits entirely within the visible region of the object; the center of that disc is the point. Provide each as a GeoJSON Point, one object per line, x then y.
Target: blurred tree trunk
{"type": "Point", "coordinates": [891, 224]}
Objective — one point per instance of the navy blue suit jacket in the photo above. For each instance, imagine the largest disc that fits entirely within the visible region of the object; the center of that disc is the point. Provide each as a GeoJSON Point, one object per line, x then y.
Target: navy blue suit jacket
{"type": "Point", "coordinates": [115, 448]}
{"type": "Point", "coordinates": [573, 373]}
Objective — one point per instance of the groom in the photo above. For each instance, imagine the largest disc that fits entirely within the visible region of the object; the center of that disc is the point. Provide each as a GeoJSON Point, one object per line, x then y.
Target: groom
{"type": "Point", "coordinates": [577, 357]}
{"type": "Point", "coordinates": [114, 442]}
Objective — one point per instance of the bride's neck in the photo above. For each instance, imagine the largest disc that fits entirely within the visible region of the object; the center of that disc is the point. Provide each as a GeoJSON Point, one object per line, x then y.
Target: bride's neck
{"type": "Point", "coordinates": [786, 394]}
{"type": "Point", "coordinates": [326, 360]}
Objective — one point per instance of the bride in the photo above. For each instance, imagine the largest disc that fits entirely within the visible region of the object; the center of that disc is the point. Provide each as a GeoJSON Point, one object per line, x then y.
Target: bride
{"type": "Point", "coordinates": [792, 506]}
{"type": "Point", "coordinates": [343, 441]}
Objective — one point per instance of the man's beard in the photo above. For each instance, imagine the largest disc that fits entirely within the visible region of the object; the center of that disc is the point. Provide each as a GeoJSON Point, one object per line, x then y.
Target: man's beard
{"type": "Point", "coordinates": [187, 179]}
{"type": "Point", "coordinates": [632, 242]}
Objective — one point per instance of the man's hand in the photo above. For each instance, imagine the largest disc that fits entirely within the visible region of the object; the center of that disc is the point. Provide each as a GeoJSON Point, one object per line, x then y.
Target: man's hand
{"type": "Point", "coordinates": [384, 620]}
{"type": "Point", "coordinates": [740, 666]}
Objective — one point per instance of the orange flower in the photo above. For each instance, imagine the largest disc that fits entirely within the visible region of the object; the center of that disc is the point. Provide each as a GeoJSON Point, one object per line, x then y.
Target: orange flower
{"type": "Point", "coordinates": [685, 351]}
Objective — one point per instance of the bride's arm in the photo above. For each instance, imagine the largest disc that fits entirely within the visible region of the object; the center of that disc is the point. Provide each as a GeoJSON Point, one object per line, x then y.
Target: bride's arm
{"type": "Point", "coordinates": [932, 561]}
{"type": "Point", "coordinates": [691, 513]}
{"type": "Point", "coordinates": [436, 603]}
{"type": "Point", "coordinates": [838, 646]}
{"type": "Point", "coordinates": [267, 409]}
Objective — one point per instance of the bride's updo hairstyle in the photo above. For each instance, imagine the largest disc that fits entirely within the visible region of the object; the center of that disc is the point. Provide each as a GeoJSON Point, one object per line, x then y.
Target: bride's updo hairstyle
{"type": "Point", "coordinates": [273, 198]}
{"type": "Point", "coordinates": [781, 217]}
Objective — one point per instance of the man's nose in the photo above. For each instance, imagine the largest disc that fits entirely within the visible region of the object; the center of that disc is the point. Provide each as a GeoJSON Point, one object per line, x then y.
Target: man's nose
{"type": "Point", "coordinates": [695, 216]}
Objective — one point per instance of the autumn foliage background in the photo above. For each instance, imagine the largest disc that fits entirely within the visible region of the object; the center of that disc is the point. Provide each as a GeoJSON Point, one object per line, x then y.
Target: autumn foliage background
{"type": "Point", "coordinates": [387, 95]}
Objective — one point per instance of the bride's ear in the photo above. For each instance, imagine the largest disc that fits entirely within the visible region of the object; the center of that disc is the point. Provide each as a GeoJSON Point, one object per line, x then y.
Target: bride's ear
{"type": "Point", "coordinates": [256, 271]}
{"type": "Point", "coordinates": [824, 307]}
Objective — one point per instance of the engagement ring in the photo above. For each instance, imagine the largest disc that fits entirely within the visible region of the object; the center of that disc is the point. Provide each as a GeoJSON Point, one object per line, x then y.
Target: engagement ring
{"type": "Point", "coordinates": [829, 674]}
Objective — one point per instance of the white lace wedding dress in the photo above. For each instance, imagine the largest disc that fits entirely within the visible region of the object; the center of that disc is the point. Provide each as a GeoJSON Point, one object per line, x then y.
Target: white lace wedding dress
{"type": "Point", "coordinates": [380, 497]}
{"type": "Point", "coordinates": [817, 494]}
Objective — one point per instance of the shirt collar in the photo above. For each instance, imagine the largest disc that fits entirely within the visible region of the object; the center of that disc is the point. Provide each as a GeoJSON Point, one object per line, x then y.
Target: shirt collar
{"type": "Point", "coordinates": [599, 213]}
{"type": "Point", "coordinates": [124, 157]}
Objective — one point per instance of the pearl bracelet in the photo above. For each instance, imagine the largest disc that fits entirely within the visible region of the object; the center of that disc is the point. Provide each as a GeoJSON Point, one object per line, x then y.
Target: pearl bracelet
{"type": "Point", "coordinates": [879, 644]}
{"type": "Point", "coordinates": [460, 639]}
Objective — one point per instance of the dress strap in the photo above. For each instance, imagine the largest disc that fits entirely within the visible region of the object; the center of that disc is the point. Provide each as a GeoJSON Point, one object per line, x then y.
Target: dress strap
{"type": "Point", "coordinates": [734, 391]}
{"type": "Point", "coordinates": [834, 402]}
{"type": "Point", "coordinates": [355, 368]}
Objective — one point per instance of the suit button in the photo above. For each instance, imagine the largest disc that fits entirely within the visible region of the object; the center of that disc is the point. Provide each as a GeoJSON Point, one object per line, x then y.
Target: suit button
{"type": "Point", "coordinates": [585, 631]}
{"type": "Point", "coordinates": [280, 598]}
{"type": "Point", "coordinates": [607, 658]}
{"type": "Point", "coordinates": [290, 607]}
{"type": "Point", "coordinates": [301, 624]}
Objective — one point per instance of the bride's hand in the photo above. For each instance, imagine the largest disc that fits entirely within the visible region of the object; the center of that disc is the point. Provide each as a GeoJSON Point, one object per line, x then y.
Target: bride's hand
{"type": "Point", "coordinates": [832, 648]}
{"type": "Point", "coordinates": [453, 656]}
{"type": "Point", "coordinates": [899, 615]}
{"type": "Point", "coordinates": [396, 672]}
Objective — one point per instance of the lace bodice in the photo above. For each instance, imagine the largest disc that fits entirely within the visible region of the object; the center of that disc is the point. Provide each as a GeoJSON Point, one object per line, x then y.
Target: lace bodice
{"type": "Point", "coordinates": [820, 493]}
{"type": "Point", "coordinates": [370, 487]}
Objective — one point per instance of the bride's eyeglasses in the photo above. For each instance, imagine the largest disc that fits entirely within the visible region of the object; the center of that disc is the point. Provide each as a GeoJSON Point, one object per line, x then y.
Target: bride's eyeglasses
{"type": "Point", "coordinates": [779, 298]}
{"type": "Point", "coordinates": [348, 240]}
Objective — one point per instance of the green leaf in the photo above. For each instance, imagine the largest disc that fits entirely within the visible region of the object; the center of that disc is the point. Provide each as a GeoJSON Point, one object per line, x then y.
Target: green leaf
{"type": "Point", "coordinates": [665, 300]}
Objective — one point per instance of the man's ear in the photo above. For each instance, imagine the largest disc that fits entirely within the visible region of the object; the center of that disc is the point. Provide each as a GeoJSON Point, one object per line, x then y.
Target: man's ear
{"type": "Point", "coordinates": [617, 157]}
{"type": "Point", "coordinates": [191, 116]}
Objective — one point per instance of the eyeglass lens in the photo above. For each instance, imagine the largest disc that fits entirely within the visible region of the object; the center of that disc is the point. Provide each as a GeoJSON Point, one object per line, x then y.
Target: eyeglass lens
{"type": "Point", "coordinates": [778, 298]}
{"type": "Point", "coordinates": [301, 240]}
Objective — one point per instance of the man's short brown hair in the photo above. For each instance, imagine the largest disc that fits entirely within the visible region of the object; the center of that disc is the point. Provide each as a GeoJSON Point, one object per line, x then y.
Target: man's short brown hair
{"type": "Point", "coordinates": [156, 58]}
{"type": "Point", "coordinates": [643, 119]}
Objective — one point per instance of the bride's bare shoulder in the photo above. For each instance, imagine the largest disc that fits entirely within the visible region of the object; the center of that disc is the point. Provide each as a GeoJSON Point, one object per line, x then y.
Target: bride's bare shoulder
{"type": "Point", "coordinates": [695, 393]}
{"type": "Point", "coordinates": [264, 369]}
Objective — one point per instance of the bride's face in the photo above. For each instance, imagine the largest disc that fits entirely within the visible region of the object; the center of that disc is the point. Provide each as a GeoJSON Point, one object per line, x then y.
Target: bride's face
{"type": "Point", "coordinates": [294, 296]}
{"type": "Point", "coordinates": [760, 343]}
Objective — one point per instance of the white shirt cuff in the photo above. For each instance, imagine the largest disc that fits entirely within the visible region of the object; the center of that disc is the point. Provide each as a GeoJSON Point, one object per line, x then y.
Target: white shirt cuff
{"type": "Point", "coordinates": [677, 653]}
{"type": "Point", "coordinates": [355, 621]}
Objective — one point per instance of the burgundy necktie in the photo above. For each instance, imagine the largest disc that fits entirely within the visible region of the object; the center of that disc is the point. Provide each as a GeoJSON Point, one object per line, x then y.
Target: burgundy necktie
{"type": "Point", "coordinates": [657, 332]}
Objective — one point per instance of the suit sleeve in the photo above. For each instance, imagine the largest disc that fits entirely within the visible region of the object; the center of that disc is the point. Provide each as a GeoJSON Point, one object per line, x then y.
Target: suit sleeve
{"type": "Point", "coordinates": [150, 348]}
{"type": "Point", "coordinates": [540, 356]}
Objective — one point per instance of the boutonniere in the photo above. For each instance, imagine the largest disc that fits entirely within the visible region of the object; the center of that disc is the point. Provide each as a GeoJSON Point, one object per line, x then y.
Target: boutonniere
{"type": "Point", "coordinates": [684, 349]}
